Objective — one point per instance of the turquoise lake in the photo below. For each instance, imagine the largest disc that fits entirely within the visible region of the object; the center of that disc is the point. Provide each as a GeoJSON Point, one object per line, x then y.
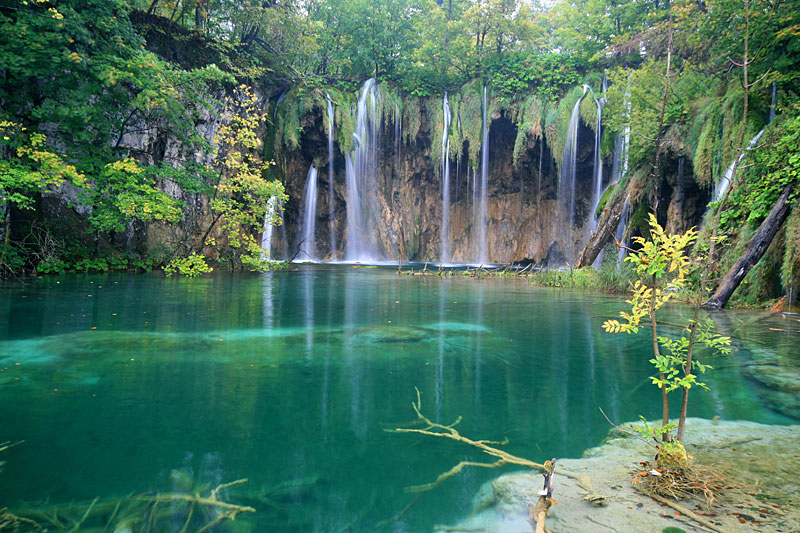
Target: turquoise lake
{"type": "Point", "coordinates": [122, 384]}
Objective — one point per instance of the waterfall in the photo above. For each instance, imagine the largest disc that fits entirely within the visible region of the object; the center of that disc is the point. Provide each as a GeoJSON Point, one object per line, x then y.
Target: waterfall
{"type": "Point", "coordinates": [725, 183]}
{"type": "Point", "coordinates": [621, 234]}
{"type": "Point", "coordinates": [773, 102]}
{"type": "Point", "coordinates": [307, 248]}
{"type": "Point", "coordinates": [566, 184]}
{"type": "Point", "coordinates": [284, 241]}
{"type": "Point", "coordinates": [597, 181]}
{"type": "Point", "coordinates": [361, 170]}
{"type": "Point", "coordinates": [484, 207]}
{"type": "Point", "coordinates": [266, 236]}
{"type": "Point", "coordinates": [331, 214]}
{"type": "Point", "coordinates": [445, 235]}
{"type": "Point", "coordinates": [626, 131]}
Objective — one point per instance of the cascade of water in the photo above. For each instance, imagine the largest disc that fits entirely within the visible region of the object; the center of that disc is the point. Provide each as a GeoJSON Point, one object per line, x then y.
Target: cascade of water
{"type": "Point", "coordinates": [773, 102]}
{"type": "Point", "coordinates": [725, 183]}
{"type": "Point", "coordinates": [277, 102]}
{"type": "Point", "coordinates": [475, 220]}
{"type": "Point", "coordinates": [458, 174]}
{"type": "Point", "coordinates": [331, 217]}
{"type": "Point", "coordinates": [458, 158]}
{"type": "Point", "coordinates": [398, 130]}
{"type": "Point", "coordinates": [597, 181]}
{"type": "Point", "coordinates": [566, 184]}
{"type": "Point", "coordinates": [626, 131]}
{"type": "Point", "coordinates": [484, 207]}
{"type": "Point", "coordinates": [266, 236]}
{"type": "Point", "coordinates": [621, 234]}
{"type": "Point", "coordinates": [679, 196]}
{"type": "Point", "coordinates": [361, 170]}
{"type": "Point", "coordinates": [445, 236]}
{"type": "Point", "coordinates": [284, 241]}
{"type": "Point", "coordinates": [307, 248]}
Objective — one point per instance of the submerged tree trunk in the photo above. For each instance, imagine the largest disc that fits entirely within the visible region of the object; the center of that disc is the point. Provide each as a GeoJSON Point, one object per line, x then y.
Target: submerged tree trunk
{"type": "Point", "coordinates": [605, 231]}
{"type": "Point", "coordinates": [753, 251]}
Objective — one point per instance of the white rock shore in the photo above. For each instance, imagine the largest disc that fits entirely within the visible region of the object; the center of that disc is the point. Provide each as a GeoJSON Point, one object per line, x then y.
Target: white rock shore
{"type": "Point", "coordinates": [761, 463]}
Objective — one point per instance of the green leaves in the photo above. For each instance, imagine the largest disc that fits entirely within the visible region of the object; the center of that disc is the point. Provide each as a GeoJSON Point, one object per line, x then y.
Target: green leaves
{"type": "Point", "coordinates": [662, 265]}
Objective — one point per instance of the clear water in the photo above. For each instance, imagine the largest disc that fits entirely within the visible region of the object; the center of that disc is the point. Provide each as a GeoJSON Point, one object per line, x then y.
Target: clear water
{"type": "Point", "coordinates": [121, 384]}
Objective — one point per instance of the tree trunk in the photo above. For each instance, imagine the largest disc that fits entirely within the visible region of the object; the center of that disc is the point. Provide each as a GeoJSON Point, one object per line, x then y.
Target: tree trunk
{"type": "Point", "coordinates": [605, 231]}
{"type": "Point", "coordinates": [755, 248]}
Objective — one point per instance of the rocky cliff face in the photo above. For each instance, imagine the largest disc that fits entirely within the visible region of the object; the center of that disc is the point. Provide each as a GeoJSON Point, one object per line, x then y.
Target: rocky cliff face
{"type": "Point", "coordinates": [525, 218]}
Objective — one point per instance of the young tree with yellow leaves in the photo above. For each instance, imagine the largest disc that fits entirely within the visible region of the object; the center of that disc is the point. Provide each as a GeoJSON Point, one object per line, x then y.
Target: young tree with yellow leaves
{"type": "Point", "coordinates": [662, 266]}
{"type": "Point", "coordinates": [242, 193]}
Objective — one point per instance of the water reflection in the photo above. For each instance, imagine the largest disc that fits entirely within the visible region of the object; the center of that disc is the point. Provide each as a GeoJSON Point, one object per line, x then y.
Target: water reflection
{"type": "Point", "coordinates": [290, 378]}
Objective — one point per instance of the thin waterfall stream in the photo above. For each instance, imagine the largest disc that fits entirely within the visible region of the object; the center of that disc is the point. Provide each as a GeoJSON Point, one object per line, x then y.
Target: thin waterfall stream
{"type": "Point", "coordinates": [484, 186]}
{"type": "Point", "coordinates": [331, 203]}
{"type": "Point", "coordinates": [306, 246]}
{"type": "Point", "coordinates": [444, 256]}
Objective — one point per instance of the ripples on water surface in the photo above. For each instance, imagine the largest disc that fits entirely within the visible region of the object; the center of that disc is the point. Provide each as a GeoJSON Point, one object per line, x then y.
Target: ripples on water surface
{"type": "Point", "coordinates": [121, 384]}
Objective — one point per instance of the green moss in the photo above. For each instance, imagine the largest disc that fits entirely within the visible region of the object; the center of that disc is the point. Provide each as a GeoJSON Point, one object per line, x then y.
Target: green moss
{"type": "Point", "coordinates": [528, 114]}
{"type": "Point", "coordinates": [790, 267]}
{"type": "Point", "coordinates": [557, 123]}
{"type": "Point", "coordinates": [589, 112]}
{"type": "Point", "coordinates": [672, 456]}
{"type": "Point", "coordinates": [470, 111]}
{"type": "Point", "coordinates": [412, 118]}
{"type": "Point", "coordinates": [288, 119]}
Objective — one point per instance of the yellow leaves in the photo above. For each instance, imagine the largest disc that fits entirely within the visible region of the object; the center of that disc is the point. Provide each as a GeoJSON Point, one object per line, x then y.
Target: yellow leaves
{"type": "Point", "coordinates": [128, 165]}
{"type": "Point", "coordinates": [54, 13]}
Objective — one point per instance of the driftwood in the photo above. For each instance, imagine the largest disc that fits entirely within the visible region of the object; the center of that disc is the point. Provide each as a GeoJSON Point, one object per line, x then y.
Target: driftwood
{"type": "Point", "coordinates": [144, 512]}
{"type": "Point", "coordinates": [754, 250]}
{"type": "Point", "coordinates": [538, 514]}
{"type": "Point", "coordinates": [432, 429]}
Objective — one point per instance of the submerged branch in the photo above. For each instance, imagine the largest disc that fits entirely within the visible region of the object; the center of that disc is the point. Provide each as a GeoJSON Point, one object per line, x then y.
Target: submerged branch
{"type": "Point", "coordinates": [433, 429]}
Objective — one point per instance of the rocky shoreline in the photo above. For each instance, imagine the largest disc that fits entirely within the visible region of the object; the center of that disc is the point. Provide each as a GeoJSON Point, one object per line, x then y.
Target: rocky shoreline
{"type": "Point", "coordinates": [759, 461]}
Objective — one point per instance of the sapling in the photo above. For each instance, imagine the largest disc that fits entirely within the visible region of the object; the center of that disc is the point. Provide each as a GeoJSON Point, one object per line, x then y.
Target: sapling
{"type": "Point", "coordinates": [662, 266]}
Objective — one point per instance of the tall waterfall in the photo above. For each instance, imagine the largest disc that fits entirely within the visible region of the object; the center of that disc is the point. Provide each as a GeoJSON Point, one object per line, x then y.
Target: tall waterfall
{"type": "Point", "coordinates": [284, 241]}
{"type": "Point", "coordinates": [566, 183]}
{"type": "Point", "coordinates": [725, 182]}
{"type": "Point", "coordinates": [445, 237]}
{"type": "Point", "coordinates": [361, 169]}
{"type": "Point", "coordinates": [597, 180]}
{"type": "Point", "coordinates": [266, 236]}
{"type": "Point", "coordinates": [331, 214]}
{"type": "Point", "coordinates": [307, 247]}
{"type": "Point", "coordinates": [484, 206]}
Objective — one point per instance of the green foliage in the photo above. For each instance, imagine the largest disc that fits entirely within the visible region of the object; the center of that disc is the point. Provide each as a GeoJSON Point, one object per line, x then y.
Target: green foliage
{"type": "Point", "coordinates": [656, 433]}
{"type": "Point", "coordinates": [241, 193]}
{"type": "Point", "coordinates": [548, 75]}
{"type": "Point", "coordinates": [673, 364]}
{"type": "Point", "coordinates": [35, 167]}
{"type": "Point", "coordinates": [662, 266]}
{"type": "Point", "coordinates": [557, 123]}
{"type": "Point", "coordinates": [529, 116]}
{"type": "Point", "coordinates": [192, 266]}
